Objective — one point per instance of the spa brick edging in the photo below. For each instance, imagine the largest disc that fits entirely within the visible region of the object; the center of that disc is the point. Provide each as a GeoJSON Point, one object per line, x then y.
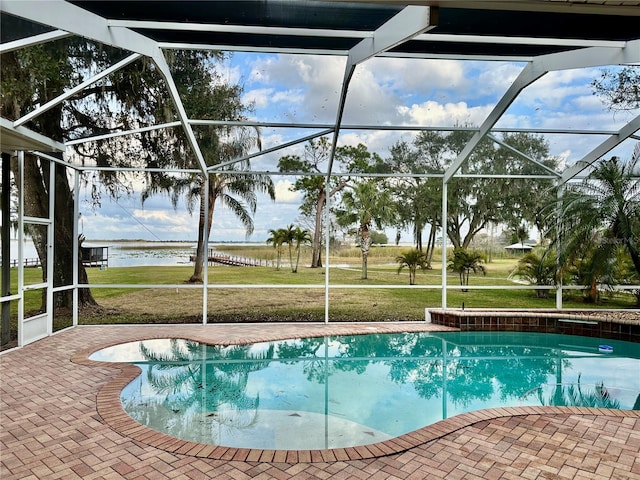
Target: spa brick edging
{"type": "Point", "coordinates": [110, 409]}
{"type": "Point", "coordinates": [543, 321]}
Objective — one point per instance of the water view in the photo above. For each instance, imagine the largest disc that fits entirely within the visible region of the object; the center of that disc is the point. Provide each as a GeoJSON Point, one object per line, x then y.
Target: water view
{"type": "Point", "coordinates": [130, 253]}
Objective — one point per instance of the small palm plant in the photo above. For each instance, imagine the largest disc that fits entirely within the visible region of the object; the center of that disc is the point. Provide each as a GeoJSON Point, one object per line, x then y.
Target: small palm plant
{"type": "Point", "coordinates": [537, 267]}
{"type": "Point", "coordinates": [413, 259]}
{"type": "Point", "coordinates": [463, 262]}
{"type": "Point", "coordinates": [599, 219]}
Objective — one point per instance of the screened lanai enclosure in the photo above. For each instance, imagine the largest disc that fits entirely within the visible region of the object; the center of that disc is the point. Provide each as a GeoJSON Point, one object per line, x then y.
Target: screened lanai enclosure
{"type": "Point", "coordinates": [465, 116]}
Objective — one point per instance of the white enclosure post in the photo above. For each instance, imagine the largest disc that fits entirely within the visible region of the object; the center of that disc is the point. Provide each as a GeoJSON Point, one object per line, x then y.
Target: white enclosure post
{"type": "Point", "coordinates": [21, 248]}
{"type": "Point", "coordinates": [50, 246]}
{"type": "Point", "coordinates": [558, 245]}
{"type": "Point", "coordinates": [444, 244]}
{"type": "Point", "coordinates": [76, 245]}
{"type": "Point", "coordinates": [205, 267]}
{"type": "Point", "coordinates": [327, 230]}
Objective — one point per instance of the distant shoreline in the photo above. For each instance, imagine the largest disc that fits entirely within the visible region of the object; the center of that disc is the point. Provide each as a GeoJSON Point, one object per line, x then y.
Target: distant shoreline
{"type": "Point", "coordinates": [181, 242]}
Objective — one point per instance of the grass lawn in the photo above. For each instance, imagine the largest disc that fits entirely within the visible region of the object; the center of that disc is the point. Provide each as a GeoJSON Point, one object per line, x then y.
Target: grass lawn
{"type": "Point", "coordinates": [235, 295]}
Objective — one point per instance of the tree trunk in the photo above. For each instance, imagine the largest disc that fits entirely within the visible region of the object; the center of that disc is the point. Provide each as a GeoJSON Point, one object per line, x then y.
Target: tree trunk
{"type": "Point", "coordinates": [592, 293]}
{"type": "Point", "coordinates": [454, 235]}
{"type": "Point", "coordinates": [316, 261]}
{"type": "Point", "coordinates": [198, 267]}
{"type": "Point", "coordinates": [297, 259]}
{"type": "Point", "coordinates": [542, 293]}
{"type": "Point", "coordinates": [365, 245]}
{"type": "Point", "coordinates": [635, 256]}
{"type": "Point", "coordinates": [417, 233]}
{"type": "Point", "coordinates": [465, 279]}
{"type": "Point", "coordinates": [431, 245]}
{"type": "Point", "coordinates": [293, 269]}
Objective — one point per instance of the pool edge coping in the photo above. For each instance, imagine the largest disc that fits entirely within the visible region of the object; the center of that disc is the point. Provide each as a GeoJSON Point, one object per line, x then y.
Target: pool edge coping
{"type": "Point", "coordinates": [109, 408]}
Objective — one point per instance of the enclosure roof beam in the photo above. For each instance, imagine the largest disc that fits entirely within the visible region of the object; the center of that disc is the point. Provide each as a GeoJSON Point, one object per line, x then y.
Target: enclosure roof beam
{"type": "Point", "coordinates": [523, 155]}
{"type": "Point", "coordinates": [334, 33]}
{"type": "Point", "coordinates": [34, 40]}
{"type": "Point", "coordinates": [625, 132]}
{"type": "Point", "coordinates": [66, 16]}
{"type": "Point", "coordinates": [409, 22]}
{"type": "Point", "coordinates": [95, 138]}
{"type": "Point", "coordinates": [584, 58]}
{"type": "Point", "coordinates": [527, 76]}
{"type": "Point", "coordinates": [408, 128]}
{"type": "Point", "coordinates": [297, 141]}
{"type": "Point", "coordinates": [21, 138]}
{"type": "Point", "coordinates": [493, 39]}
{"type": "Point", "coordinates": [248, 29]}
{"type": "Point", "coordinates": [78, 88]}
{"type": "Point", "coordinates": [604, 7]}
{"type": "Point", "coordinates": [165, 71]}
{"type": "Point", "coordinates": [70, 18]}
{"type": "Point", "coordinates": [51, 158]}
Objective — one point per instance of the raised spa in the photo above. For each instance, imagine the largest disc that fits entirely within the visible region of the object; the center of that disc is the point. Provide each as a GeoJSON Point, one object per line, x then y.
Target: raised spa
{"type": "Point", "coordinates": [331, 392]}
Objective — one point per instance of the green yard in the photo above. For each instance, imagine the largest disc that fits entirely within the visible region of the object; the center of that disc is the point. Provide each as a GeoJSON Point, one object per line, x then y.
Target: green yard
{"type": "Point", "coordinates": [234, 294]}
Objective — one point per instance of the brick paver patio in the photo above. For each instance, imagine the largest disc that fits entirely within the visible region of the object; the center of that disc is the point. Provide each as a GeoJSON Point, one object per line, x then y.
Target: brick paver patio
{"type": "Point", "coordinates": [60, 419]}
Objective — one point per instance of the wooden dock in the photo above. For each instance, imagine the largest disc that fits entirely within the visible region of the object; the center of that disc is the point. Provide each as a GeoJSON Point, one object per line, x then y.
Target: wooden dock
{"type": "Point", "coordinates": [28, 263]}
{"type": "Point", "coordinates": [234, 261]}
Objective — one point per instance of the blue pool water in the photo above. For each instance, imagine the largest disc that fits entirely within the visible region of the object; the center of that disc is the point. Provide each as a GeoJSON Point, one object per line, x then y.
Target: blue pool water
{"type": "Point", "coordinates": [331, 392]}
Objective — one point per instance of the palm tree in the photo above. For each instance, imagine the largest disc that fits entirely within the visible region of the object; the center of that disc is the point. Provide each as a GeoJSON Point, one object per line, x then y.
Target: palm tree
{"type": "Point", "coordinates": [600, 215]}
{"type": "Point", "coordinates": [365, 204]}
{"type": "Point", "coordinates": [300, 237]}
{"type": "Point", "coordinates": [277, 238]}
{"type": "Point", "coordinates": [594, 267]}
{"type": "Point", "coordinates": [628, 276]}
{"type": "Point", "coordinates": [463, 262]}
{"type": "Point", "coordinates": [413, 259]}
{"type": "Point", "coordinates": [288, 237]}
{"type": "Point", "coordinates": [538, 267]}
{"type": "Point", "coordinates": [235, 191]}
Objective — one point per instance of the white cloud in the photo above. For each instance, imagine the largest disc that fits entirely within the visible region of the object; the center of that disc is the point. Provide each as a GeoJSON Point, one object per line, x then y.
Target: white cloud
{"type": "Point", "coordinates": [434, 113]}
{"type": "Point", "coordinates": [368, 101]}
{"type": "Point", "coordinates": [259, 97]}
{"type": "Point", "coordinates": [492, 79]}
{"type": "Point", "coordinates": [154, 215]}
{"type": "Point", "coordinates": [378, 141]}
{"type": "Point", "coordinates": [228, 73]}
{"type": "Point", "coordinates": [306, 86]}
{"type": "Point", "coordinates": [284, 193]}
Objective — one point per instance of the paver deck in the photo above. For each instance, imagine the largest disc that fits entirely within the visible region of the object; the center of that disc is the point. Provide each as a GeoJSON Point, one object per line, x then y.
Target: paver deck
{"type": "Point", "coordinates": [60, 418]}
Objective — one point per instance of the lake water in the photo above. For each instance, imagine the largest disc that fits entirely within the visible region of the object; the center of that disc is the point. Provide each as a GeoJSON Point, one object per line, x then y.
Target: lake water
{"type": "Point", "coordinates": [132, 254]}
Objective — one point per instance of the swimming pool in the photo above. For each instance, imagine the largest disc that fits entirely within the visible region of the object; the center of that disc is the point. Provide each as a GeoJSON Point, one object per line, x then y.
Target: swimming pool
{"type": "Point", "coordinates": [332, 392]}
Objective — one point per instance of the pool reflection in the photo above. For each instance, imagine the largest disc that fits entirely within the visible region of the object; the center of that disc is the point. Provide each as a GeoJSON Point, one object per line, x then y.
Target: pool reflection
{"type": "Point", "coordinates": [330, 392]}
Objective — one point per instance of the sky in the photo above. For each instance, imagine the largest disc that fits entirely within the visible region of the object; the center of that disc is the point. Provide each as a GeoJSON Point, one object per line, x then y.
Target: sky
{"type": "Point", "coordinates": [383, 91]}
